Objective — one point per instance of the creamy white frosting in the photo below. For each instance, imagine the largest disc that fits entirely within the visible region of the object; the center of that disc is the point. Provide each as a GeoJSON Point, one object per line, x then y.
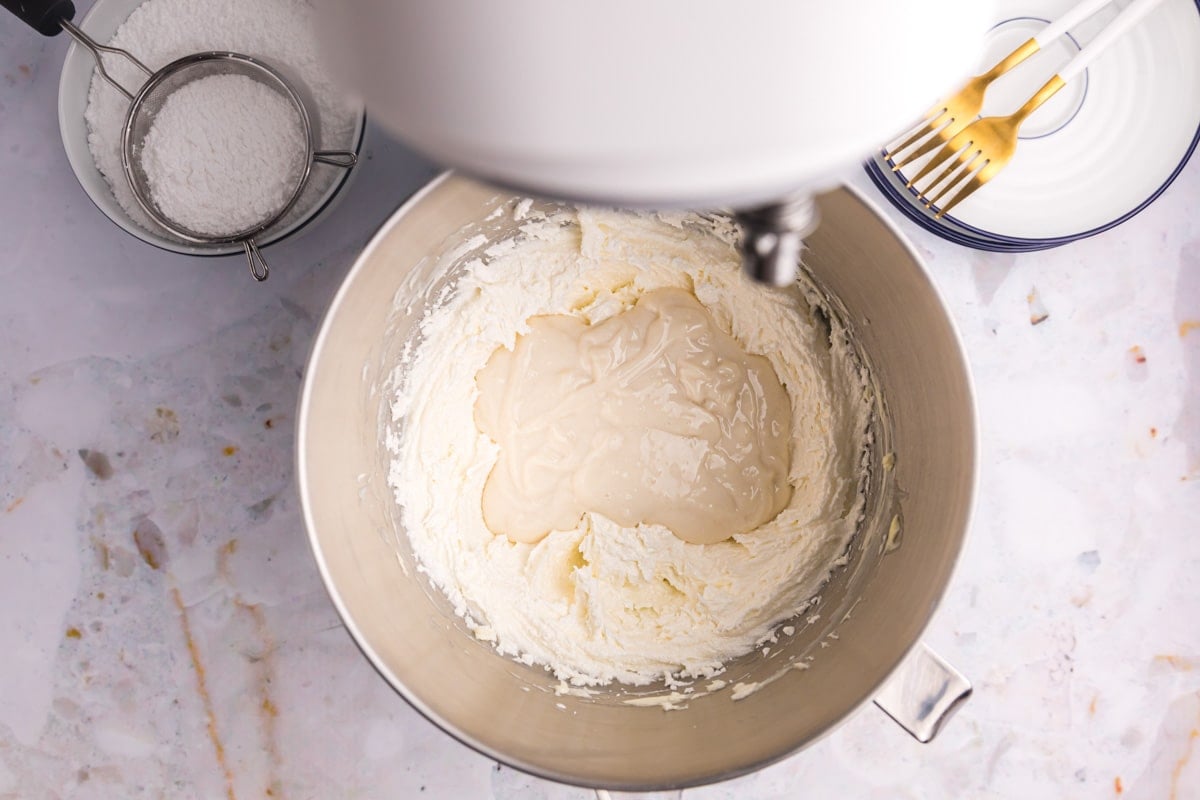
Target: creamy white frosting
{"type": "Point", "coordinates": [602, 602]}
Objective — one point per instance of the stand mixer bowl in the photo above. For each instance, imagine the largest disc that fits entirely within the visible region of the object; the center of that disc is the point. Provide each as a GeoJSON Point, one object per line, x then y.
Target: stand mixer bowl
{"type": "Point", "coordinates": [878, 604]}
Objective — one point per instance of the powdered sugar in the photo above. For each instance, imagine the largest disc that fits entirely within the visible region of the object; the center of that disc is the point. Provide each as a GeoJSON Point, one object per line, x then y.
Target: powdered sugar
{"type": "Point", "coordinates": [223, 154]}
{"type": "Point", "coordinates": [280, 32]}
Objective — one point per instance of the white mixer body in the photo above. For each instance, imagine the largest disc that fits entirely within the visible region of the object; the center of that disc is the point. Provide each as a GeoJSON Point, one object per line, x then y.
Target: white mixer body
{"type": "Point", "coordinates": [652, 102]}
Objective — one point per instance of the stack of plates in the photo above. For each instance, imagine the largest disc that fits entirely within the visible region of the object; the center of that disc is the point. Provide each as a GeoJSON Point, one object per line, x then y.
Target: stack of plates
{"type": "Point", "coordinates": [1098, 152]}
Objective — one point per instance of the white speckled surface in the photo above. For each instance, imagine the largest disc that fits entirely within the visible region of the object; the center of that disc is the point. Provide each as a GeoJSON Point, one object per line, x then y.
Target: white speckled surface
{"type": "Point", "coordinates": [221, 670]}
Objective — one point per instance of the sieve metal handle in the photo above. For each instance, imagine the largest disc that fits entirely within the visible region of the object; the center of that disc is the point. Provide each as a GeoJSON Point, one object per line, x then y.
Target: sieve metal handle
{"type": "Point", "coordinates": [48, 17]}
{"type": "Point", "coordinates": [258, 265]}
{"type": "Point", "coordinates": [43, 16]}
{"type": "Point", "coordinates": [98, 50]}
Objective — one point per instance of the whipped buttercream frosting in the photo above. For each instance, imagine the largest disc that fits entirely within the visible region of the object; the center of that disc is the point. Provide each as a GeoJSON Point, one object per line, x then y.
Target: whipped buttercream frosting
{"type": "Point", "coordinates": [648, 590]}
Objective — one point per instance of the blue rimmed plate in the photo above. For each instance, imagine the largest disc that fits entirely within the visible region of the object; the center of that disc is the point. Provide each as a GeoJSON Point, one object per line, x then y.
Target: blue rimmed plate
{"type": "Point", "coordinates": [1102, 150]}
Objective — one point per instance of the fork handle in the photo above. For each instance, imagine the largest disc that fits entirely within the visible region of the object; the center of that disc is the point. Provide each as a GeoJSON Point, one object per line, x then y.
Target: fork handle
{"type": "Point", "coordinates": [1049, 88]}
{"type": "Point", "coordinates": [1128, 18]}
{"type": "Point", "coordinates": [1046, 36]}
{"type": "Point", "coordinates": [1068, 20]}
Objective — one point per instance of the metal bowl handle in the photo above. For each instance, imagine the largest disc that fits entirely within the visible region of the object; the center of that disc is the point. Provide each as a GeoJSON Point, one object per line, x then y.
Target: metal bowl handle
{"type": "Point", "coordinates": [923, 693]}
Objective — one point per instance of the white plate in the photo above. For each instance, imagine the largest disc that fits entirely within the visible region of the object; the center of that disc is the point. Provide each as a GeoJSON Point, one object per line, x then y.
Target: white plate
{"type": "Point", "coordinates": [100, 23]}
{"type": "Point", "coordinates": [1109, 142]}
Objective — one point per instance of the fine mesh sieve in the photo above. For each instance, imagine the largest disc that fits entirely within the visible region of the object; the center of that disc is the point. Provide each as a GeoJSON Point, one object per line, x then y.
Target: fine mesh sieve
{"type": "Point", "coordinates": [166, 81]}
{"type": "Point", "coordinates": [48, 17]}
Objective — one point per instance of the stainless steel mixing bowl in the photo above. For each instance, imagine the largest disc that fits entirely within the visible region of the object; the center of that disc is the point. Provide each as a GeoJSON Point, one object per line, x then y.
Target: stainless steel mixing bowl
{"type": "Point", "coordinates": [878, 605]}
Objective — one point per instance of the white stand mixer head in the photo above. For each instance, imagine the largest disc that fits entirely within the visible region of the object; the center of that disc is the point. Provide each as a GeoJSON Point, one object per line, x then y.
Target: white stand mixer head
{"type": "Point", "coordinates": [669, 103]}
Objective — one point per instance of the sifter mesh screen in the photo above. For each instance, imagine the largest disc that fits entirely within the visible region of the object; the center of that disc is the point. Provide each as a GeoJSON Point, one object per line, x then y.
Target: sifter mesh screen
{"type": "Point", "coordinates": [150, 100]}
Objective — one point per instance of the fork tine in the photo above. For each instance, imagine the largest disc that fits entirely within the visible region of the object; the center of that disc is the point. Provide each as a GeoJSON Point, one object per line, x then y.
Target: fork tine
{"type": "Point", "coordinates": [977, 180]}
{"type": "Point", "coordinates": [943, 155]}
{"type": "Point", "coordinates": [946, 178]}
{"type": "Point", "coordinates": [931, 123]}
{"type": "Point", "coordinates": [936, 138]}
{"type": "Point", "coordinates": [962, 172]}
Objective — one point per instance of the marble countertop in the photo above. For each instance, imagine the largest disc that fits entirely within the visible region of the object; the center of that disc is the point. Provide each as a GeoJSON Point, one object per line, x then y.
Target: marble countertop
{"type": "Point", "coordinates": [164, 631]}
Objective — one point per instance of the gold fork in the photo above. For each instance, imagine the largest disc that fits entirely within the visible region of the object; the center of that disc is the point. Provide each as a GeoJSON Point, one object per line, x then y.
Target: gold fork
{"type": "Point", "coordinates": [985, 146]}
{"type": "Point", "coordinates": [952, 114]}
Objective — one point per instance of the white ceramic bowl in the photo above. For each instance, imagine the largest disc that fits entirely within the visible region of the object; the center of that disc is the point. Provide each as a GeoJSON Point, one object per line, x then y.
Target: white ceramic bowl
{"type": "Point", "coordinates": [100, 23]}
